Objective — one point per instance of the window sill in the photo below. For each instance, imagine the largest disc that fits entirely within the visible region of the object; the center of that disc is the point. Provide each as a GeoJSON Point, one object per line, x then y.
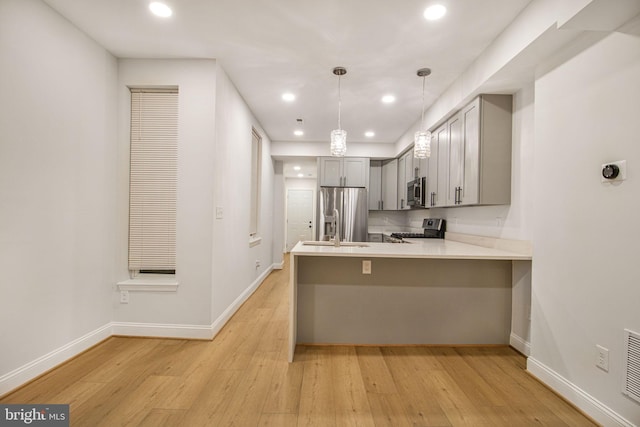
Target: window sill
{"type": "Point", "coordinates": [150, 283]}
{"type": "Point", "coordinates": [254, 241]}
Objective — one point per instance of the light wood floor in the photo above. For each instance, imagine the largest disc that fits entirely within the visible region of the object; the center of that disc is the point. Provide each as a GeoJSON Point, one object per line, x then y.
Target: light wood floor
{"type": "Point", "coordinates": [242, 378]}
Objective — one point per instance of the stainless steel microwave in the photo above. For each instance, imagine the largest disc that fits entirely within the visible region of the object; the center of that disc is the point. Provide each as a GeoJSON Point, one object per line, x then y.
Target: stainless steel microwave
{"type": "Point", "coordinates": [416, 191]}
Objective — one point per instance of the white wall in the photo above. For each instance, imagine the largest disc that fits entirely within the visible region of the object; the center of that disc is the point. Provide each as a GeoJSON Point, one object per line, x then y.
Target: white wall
{"type": "Point", "coordinates": [216, 267]}
{"type": "Point", "coordinates": [58, 117]}
{"type": "Point", "coordinates": [234, 262]}
{"type": "Point", "coordinates": [196, 80]}
{"type": "Point", "coordinates": [585, 282]}
{"type": "Point", "coordinates": [279, 213]}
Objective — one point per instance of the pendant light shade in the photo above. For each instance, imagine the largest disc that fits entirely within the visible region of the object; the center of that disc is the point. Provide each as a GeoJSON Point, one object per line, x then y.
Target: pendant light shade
{"type": "Point", "coordinates": [422, 147]}
{"type": "Point", "coordinates": [422, 138]}
{"type": "Point", "coordinates": [338, 142]}
{"type": "Point", "coordinates": [339, 136]}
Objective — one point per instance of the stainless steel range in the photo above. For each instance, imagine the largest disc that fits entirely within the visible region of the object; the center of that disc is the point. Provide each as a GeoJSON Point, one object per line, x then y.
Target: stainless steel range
{"type": "Point", "coordinates": [434, 228]}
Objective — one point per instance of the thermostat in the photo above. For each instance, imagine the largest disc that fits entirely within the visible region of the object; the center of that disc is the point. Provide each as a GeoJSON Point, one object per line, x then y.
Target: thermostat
{"type": "Point", "coordinates": [614, 171]}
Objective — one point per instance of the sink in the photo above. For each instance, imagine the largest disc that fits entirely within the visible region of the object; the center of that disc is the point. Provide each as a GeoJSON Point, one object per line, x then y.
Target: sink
{"type": "Point", "coordinates": [327, 243]}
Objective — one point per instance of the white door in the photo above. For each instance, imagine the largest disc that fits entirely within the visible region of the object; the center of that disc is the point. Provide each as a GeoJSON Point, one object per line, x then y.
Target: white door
{"type": "Point", "coordinates": [299, 216]}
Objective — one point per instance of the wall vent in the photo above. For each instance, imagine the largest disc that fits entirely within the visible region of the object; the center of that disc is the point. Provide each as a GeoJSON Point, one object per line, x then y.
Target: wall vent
{"type": "Point", "coordinates": [631, 383]}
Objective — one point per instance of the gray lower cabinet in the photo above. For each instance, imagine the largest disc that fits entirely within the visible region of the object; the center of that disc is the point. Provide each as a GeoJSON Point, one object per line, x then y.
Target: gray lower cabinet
{"type": "Point", "coordinates": [375, 237]}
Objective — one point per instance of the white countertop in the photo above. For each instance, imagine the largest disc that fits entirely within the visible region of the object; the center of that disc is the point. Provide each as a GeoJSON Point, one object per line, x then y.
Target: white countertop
{"type": "Point", "coordinates": [415, 248]}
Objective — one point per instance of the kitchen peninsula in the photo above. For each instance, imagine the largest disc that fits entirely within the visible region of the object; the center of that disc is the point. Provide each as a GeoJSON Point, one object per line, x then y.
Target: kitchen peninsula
{"type": "Point", "coordinates": [428, 291]}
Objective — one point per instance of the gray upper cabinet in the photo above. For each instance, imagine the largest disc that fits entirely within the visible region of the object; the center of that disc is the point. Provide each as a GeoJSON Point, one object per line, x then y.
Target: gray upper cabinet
{"type": "Point", "coordinates": [383, 179]}
{"type": "Point", "coordinates": [456, 159]}
{"type": "Point", "coordinates": [402, 186]}
{"type": "Point", "coordinates": [406, 173]}
{"type": "Point", "coordinates": [375, 185]}
{"type": "Point", "coordinates": [390, 185]}
{"type": "Point", "coordinates": [343, 171]}
{"type": "Point", "coordinates": [438, 173]}
{"type": "Point", "coordinates": [480, 162]}
{"type": "Point", "coordinates": [470, 161]}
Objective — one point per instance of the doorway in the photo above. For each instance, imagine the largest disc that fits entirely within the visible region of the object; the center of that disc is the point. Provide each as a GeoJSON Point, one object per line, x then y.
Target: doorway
{"type": "Point", "coordinates": [300, 224]}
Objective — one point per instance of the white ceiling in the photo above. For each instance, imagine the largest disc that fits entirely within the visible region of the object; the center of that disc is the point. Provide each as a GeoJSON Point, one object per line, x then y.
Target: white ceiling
{"type": "Point", "coordinates": [271, 46]}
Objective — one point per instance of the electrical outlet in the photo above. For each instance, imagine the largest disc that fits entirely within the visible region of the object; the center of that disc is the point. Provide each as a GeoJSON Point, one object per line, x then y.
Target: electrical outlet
{"type": "Point", "coordinates": [602, 358]}
{"type": "Point", "coordinates": [219, 212]}
{"type": "Point", "coordinates": [124, 297]}
{"type": "Point", "coordinates": [257, 263]}
{"type": "Point", "coordinates": [366, 266]}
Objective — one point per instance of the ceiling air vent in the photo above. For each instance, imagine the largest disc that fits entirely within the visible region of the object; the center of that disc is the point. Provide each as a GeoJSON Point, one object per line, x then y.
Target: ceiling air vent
{"type": "Point", "coordinates": [631, 386]}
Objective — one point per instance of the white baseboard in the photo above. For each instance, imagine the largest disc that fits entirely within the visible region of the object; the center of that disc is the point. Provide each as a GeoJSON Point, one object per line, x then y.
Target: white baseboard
{"type": "Point", "coordinates": [158, 330]}
{"type": "Point", "coordinates": [520, 344]}
{"type": "Point", "coordinates": [277, 265]}
{"type": "Point", "coordinates": [39, 366]}
{"type": "Point", "coordinates": [222, 320]}
{"type": "Point", "coordinates": [574, 394]}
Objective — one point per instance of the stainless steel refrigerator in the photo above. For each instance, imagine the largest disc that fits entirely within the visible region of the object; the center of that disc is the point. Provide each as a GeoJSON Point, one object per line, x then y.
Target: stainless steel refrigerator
{"type": "Point", "coordinates": [353, 212]}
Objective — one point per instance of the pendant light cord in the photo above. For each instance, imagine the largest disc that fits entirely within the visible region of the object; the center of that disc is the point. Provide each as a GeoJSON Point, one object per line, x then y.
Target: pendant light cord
{"type": "Point", "coordinates": [340, 101]}
{"type": "Point", "coordinates": [422, 121]}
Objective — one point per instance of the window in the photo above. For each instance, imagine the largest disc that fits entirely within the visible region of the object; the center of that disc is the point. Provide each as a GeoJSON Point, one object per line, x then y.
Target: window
{"type": "Point", "coordinates": [256, 162]}
{"type": "Point", "coordinates": [153, 180]}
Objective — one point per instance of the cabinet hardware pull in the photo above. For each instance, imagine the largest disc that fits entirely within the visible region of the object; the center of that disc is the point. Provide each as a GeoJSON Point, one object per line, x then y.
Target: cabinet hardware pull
{"type": "Point", "coordinates": [458, 200]}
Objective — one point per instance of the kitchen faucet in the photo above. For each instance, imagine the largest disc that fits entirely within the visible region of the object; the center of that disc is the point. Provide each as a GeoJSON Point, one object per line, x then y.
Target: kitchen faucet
{"type": "Point", "coordinates": [336, 218]}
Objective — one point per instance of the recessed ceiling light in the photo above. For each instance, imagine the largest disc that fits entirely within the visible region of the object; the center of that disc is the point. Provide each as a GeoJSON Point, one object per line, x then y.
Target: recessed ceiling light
{"type": "Point", "coordinates": [300, 175]}
{"type": "Point", "coordinates": [369, 134]}
{"type": "Point", "coordinates": [434, 12]}
{"type": "Point", "coordinates": [160, 9]}
{"type": "Point", "coordinates": [289, 97]}
{"type": "Point", "coordinates": [388, 99]}
{"type": "Point", "coordinates": [298, 132]}
{"type": "Point", "coordinates": [296, 168]}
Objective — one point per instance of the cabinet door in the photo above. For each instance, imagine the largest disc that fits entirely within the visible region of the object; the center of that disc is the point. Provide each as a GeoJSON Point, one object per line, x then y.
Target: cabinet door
{"type": "Point", "coordinates": [438, 167]}
{"type": "Point", "coordinates": [410, 173]}
{"type": "Point", "coordinates": [390, 185]}
{"type": "Point", "coordinates": [356, 172]}
{"type": "Point", "coordinates": [432, 170]}
{"type": "Point", "coordinates": [375, 185]}
{"type": "Point", "coordinates": [456, 160]}
{"type": "Point", "coordinates": [330, 172]}
{"type": "Point", "coordinates": [422, 165]}
{"type": "Point", "coordinates": [470, 191]}
{"type": "Point", "coordinates": [402, 185]}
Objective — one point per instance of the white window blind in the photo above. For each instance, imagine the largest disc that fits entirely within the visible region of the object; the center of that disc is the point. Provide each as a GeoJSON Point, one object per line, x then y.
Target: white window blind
{"type": "Point", "coordinates": [153, 179]}
{"type": "Point", "coordinates": [256, 161]}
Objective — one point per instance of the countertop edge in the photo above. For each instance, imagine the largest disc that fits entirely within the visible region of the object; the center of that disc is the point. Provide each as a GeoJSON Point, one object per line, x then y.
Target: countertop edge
{"type": "Point", "coordinates": [456, 250]}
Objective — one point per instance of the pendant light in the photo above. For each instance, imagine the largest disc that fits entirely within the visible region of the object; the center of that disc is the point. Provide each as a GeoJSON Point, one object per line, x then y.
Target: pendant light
{"type": "Point", "coordinates": [339, 136]}
{"type": "Point", "coordinates": [422, 138]}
